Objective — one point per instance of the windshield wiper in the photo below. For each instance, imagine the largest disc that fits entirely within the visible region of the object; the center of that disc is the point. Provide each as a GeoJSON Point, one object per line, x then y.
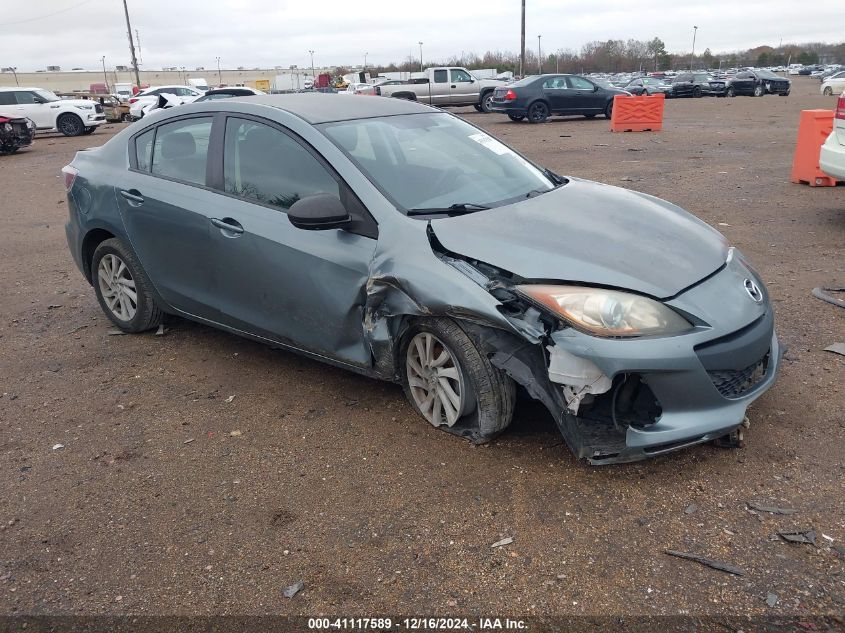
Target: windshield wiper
{"type": "Point", "coordinates": [457, 208]}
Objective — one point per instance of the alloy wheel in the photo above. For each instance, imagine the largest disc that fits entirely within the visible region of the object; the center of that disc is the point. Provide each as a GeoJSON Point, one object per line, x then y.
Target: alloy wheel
{"type": "Point", "coordinates": [117, 287]}
{"type": "Point", "coordinates": [435, 380]}
{"type": "Point", "coordinates": [538, 113]}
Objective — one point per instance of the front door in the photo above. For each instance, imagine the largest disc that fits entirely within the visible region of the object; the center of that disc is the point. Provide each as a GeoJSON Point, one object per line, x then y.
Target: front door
{"type": "Point", "coordinates": [33, 107]}
{"type": "Point", "coordinates": [163, 203]}
{"type": "Point", "coordinates": [587, 95]}
{"type": "Point", "coordinates": [299, 287]}
{"type": "Point", "coordinates": [464, 89]}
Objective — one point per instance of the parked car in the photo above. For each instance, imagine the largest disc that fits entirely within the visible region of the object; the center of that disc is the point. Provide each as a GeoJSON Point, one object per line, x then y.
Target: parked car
{"type": "Point", "coordinates": [538, 97]}
{"type": "Point", "coordinates": [150, 96]}
{"type": "Point", "coordinates": [358, 88]}
{"type": "Point", "coordinates": [15, 133]}
{"type": "Point", "coordinates": [114, 110]}
{"type": "Point", "coordinates": [71, 117]}
{"type": "Point", "coordinates": [228, 93]}
{"type": "Point", "coordinates": [697, 85]}
{"type": "Point", "coordinates": [832, 156]}
{"type": "Point", "coordinates": [834, 85]}
{"type": "Point", "coordinates": [758, 83]}
{"type": "Point", "coordinates": [446, 86]}
{"type": "Point", "coordinates": [405, 244]}
{"type": "Point", "coordinates": [648, 86]}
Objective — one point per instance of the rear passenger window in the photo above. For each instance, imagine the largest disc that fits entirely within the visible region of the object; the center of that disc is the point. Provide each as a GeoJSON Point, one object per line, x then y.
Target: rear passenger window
{"type": "Point", "coordinates": [7, 98]}
{"type": "Point", "coordinates": [440, 76]}
{"type": "Point", "coordinates": [261, 163]}
{"type": "Point", "coordinates": [181, 150]}
{"type": "Point", "coordinates": [144, 150]}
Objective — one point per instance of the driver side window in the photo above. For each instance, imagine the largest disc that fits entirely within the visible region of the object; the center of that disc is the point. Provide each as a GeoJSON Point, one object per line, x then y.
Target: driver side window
{"type": "Point", "coordinates": [579, 83]}
{"type": "Point", "coordinates": [460, 76]}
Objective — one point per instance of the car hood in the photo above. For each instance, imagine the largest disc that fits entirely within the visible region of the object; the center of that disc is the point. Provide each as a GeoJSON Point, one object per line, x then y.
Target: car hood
{"type": "Point", "coordinates": [591, 233]}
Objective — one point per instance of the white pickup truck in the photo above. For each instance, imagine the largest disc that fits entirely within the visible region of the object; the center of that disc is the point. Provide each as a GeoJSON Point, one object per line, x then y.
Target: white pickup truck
{"type": "Point", "coordinates": [446, 86]}
{"type": "Point", "coordinates": [71, 117]}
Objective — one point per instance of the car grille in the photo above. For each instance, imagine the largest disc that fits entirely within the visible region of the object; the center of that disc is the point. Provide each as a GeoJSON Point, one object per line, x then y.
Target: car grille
{"type": "Point", "coordinates": [98, 107]}
{"type": "Point", "coordinates": [733, 383]}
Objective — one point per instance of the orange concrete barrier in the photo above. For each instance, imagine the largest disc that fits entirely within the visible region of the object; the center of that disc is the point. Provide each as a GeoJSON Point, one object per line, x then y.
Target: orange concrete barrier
{"type": "Point", "coordinates": [637, 114]}
{"type": "Point", "coordinates": [813, 129]}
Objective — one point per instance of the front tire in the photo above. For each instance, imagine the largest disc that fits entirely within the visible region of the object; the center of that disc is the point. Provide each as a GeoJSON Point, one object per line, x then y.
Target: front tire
{"type": "Point", "coordinates": [123, 289]}
{"type": "Point", "coordinates": [89, 130]}
{"type": "Point", "coordinates": [828, 91]}
{"type": "Point", "coordinates": [487, 102]}
{"type": "Point", "coordinates": [696, 92]}
{"type": "Point", "coordinates": [759, 90]}
{"type": "Point", "coordinates": [70, 125]}
{"type": "Point", "coordinates": [730, 92]}
{"type": "Point", "coordinates": [516, 118]}
{"type": "Point", "coordinates": [538, 112]}
{"type": "Point", "coordinates": [452, 385]}
{"type": "Point", "coordinates": [608, 109]}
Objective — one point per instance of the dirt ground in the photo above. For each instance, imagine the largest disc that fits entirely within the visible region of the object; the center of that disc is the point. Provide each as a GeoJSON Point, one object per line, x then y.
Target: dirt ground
{"type": "Point", "coordinates": [202, 473]}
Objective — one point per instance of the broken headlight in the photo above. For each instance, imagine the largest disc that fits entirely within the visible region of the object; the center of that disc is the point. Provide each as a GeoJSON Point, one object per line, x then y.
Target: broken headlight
{"type": "Point", "coordinates": [607, 312]}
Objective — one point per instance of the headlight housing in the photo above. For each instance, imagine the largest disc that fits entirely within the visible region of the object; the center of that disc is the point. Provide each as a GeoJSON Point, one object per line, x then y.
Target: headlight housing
{"type": "Point", "coordinates": [85, 107]}
{"type": "Point", "coordinates": [609, 313]}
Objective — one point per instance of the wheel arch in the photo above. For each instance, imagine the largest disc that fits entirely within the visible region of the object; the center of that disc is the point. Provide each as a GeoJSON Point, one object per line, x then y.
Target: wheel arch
{"type": "Point", "coordinates": [410, 96]}
{"type": "Point", "coordinates": [90, 242]}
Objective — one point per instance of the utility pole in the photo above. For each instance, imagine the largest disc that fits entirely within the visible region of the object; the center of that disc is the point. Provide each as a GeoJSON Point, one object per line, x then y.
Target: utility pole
{"type": "Point", "coordinates": [365, 60]}
{"type": "Point", "coordinates": [132, 46]}
{"type": "Point", "coordinates": [539, 56]}
{"type": "Point", "coordinates": [312, 65]}
{"type": "Point", "coordinates": [421, 65]}
{"type": "Point", "coordinates": [219, 77]}
{"type": "Point", "coordinates": [15, 73]}
{"type": "Point", "coordinates": [105, 76]}
{"type": "Point", "coordinates": [522, 44]}
{"type": "Point", "coordinates": [691, 57]}
{"type": "Point", "coordinates": [140, 54]}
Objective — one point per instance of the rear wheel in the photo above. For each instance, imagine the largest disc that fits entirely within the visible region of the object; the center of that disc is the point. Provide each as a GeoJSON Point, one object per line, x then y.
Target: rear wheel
{"type": "Point", "coordinates": [123, 288]}
{"type": "Point", "coordinates": [477, 107]}
{"type": "Point", "coordinates": [828, 91]}
{"type": "Point", "coordinates": [696, 92]}
{"type": "Point", "coordinates": [70, 125]}
{"type": "Point", "coordinates": [731, 91]}
{"type": "Point", "coordinates": [759, 90]}
{"type": "Point", "coordinates": [538, 112]}
{"type": "Point", "coordinates": [516, 117]}
{"type": "Point", "coordinates": [608, 109]}
{"type": "Point", "coordinates": [452, 385]}
{"type": "Point", "coordinates": [89, 130]}
{"type": "Point", "coordinates": [590, 116]}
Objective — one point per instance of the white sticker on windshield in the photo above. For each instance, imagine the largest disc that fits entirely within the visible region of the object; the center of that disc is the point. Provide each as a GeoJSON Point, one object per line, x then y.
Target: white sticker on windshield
{"type": "Point", "coordinates": [490, 143]}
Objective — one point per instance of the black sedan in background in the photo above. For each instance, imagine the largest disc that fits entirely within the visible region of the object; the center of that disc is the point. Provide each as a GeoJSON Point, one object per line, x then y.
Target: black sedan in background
{"type": "Point", "coordinates": [648, 86]}
{"type": "Point", "coordinates": [697, 85]}
{"type": "Point", "coordinates": [538, 97]}
{"type": "Point", "coordinates": [758, 83]}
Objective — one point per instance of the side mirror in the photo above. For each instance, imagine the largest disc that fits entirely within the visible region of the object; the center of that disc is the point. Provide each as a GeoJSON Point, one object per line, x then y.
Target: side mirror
{"type": "Point", "coordinates": [319, 212]}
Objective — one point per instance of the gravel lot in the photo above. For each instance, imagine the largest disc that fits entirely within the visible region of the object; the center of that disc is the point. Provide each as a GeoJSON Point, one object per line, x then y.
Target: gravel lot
{"type": "Point", "coordinates": [202, 473]}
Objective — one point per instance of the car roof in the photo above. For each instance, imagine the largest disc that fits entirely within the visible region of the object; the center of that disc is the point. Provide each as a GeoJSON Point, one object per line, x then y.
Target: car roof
{"type": "Point", "coordinates": [10, 88]}
{"type": "Point", "coordinates": [319, 107]}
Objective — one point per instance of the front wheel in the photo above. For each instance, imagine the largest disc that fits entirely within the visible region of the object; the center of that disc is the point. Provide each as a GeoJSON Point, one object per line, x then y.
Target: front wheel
{"type": "Point", "coordinates": [477, 107]}
{"type": "Point", "coordinates": [487, 102]}
{"type": "Point", "coordinates": [759, 91]}
{"type": "Point", "coordinates": [516, 117]}
{"type": "Point", "coordinates": [590, 116]}
{"type": "Point", "coordinates": [89, 130]}
{"type": "Point", "coordinates": [123, 289]}
{"type": "Point", "coordinates": [608, 109]}
{"type": "Point", "coordinates": [70, 125]}
{"type": "Point", "coordinates": [828, 91]}
{"type": "Point", "coordinates": [453, 385]}
{"type": "Point", "coordinates": [696, 92]}
{"type": "Point", "coordinates": [538, 112]}
{"type": "Point", "coordinates": [731, 91]}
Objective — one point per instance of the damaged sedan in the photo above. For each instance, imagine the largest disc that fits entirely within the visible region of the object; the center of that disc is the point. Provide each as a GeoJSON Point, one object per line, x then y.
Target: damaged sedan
{"type": "Point", "coordinates": [403, 243]}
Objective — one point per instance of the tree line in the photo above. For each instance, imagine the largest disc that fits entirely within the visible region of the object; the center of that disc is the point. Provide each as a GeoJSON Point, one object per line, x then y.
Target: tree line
{"type": "Point", "coordinates": [631, 55]}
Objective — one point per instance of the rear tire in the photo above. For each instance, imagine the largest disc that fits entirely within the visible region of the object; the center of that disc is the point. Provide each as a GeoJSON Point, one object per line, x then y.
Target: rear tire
{"type": "Point", "coordinates": [828, 91]}
{"type": "Point", "coordinates": [608, 109]}
{"type": "Point", "coordinates": [477, 107]}
{"type": "Point", "coordinates": [70, 125]}
{"type": "Point", "coordinates": [590, 116]}
{"type": "Point", "coordinates": [538, 112]}
{"type": "Point", "coordinates": [730, 92]}
{"type": "Point", "coordinates": [516, 118]}
{"type": "Point", "coordinates": [89, 130]}
{"type": "Point", "coordinates": [759, 90]}
{"type": "Point", "coordinates": [696, 92]}
{"type": "Point", "coordinates": [487, 102]}
{"type": "Point", "coordinates": [486, 394]}
{"type": "Point", "coordinates": [117, 275]}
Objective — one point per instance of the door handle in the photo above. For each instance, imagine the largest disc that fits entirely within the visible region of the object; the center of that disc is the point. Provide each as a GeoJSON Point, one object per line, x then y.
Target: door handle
{"type": "Point", "coordinates": [228, 224]}
{"type": "Point", "coordinates": [133, 195]}
{"type": "Point", "coordinates": [453, 86]}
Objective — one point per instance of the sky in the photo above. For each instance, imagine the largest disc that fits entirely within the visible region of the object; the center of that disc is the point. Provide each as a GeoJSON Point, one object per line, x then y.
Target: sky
{"type": "Point", "coordinates": [267, 33]}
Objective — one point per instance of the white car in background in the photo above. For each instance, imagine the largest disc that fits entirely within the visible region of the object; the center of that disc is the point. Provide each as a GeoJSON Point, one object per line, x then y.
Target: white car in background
{"type": "Point", "coordinates": [832, 157]}
{"type": "Point", "coordinates": [137, 104]}
{"type": "Point", "coordinates": [834, 85]}
{"type": "Point", "coordinates": [71, 117]}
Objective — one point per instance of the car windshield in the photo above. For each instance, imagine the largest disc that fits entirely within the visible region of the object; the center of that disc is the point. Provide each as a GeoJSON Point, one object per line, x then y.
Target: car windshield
{"type": "Point", "coordinates": [437, 161]}
{"type": "Point", "coordinates": [47, 95]}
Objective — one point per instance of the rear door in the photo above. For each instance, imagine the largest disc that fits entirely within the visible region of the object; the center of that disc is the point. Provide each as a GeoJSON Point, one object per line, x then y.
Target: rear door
{"type": "Point", "coordinates": [298, 287]}
{"type": "Point", "coordinates": [562, 99]}
{"type": "Point", "coordinates": [438, 88]}
{"type": "Point", "coordinates": [164, 204]}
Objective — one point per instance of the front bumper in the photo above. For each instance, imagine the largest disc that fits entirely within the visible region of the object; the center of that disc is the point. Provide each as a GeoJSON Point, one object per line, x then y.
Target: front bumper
{"type": "Point", "coordinates": [703, 381]}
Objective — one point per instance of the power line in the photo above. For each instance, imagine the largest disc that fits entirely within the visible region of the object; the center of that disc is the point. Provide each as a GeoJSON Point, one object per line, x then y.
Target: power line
{"type": "Point", "coordinates": [48, 15]}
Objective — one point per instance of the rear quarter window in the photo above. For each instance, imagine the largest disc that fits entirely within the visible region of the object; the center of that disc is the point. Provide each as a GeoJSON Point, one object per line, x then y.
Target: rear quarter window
{"type": "Point", "coordinates": [144, 150]}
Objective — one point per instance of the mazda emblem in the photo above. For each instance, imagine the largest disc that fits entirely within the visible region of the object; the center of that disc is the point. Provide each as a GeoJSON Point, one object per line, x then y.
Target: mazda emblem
{"type": "Point", "coordinates": [753, 291]}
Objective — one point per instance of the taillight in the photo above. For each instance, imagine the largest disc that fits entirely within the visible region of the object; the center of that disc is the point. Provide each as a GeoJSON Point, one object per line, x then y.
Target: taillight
{"type": "Point", "coordinates": [510, 95]}
{"type": "Point", "coordinates": [133, 100]}
{"type": "Point", "coordinates": [4, 120]}
{"type": "Point", "coordinates": [69, 172]}
{"type": "Point", "coordinates": [840, 107]}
